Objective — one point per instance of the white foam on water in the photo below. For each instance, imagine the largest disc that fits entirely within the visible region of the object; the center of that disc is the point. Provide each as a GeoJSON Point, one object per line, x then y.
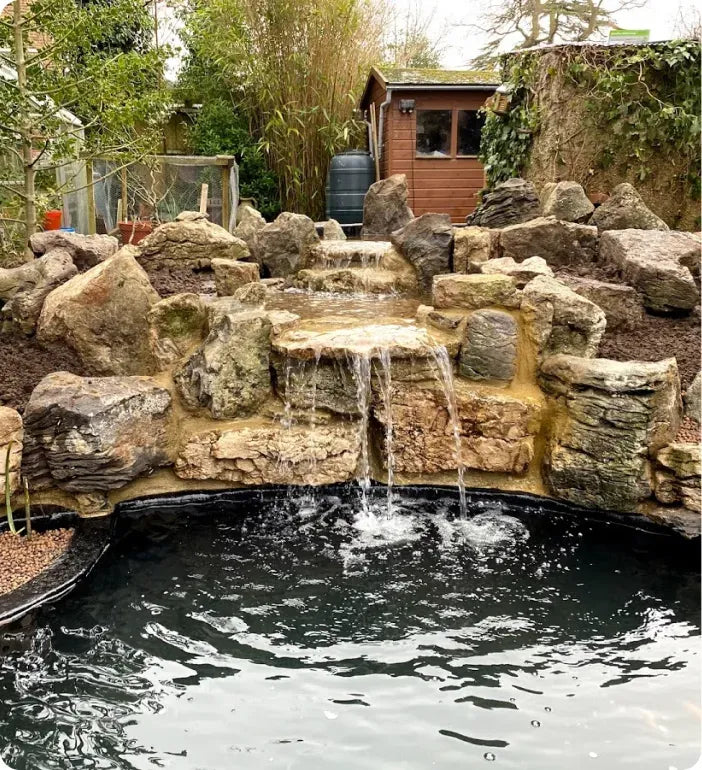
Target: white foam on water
{"type": "Point", "coordinates": [491, 528]}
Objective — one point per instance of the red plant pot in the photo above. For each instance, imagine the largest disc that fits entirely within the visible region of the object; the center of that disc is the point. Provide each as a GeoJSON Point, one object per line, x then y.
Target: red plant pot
{"type": "Point", "coordinates": [133, 232]}
{"type": "Point", "coordinates": [52, 219]}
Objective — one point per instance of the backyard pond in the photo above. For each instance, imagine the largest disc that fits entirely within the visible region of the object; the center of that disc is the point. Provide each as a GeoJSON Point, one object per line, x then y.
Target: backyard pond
{"type": "Point", "coordinates": [302, 630]}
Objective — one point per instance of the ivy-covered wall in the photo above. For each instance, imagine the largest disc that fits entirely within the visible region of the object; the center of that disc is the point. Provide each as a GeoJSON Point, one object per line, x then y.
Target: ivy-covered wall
{"type": "Point", "coordinates": [601, 115]}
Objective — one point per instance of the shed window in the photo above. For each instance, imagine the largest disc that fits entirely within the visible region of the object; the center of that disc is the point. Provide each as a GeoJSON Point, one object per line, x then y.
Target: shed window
{"type": "Point", "coordinates": [433, 133]}
{"type": "Point", "coordinates": [470, 124]}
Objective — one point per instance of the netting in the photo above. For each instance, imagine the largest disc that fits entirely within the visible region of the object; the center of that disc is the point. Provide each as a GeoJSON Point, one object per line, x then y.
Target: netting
{"type": "Point", "coordinates": [160, 188]}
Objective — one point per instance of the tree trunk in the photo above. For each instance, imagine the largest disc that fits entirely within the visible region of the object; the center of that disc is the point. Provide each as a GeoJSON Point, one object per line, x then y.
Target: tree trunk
{"type": "Point", "coordinates": [25, 125]}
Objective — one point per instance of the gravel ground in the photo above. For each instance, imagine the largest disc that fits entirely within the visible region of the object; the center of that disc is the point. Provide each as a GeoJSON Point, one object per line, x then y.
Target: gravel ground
{"type": "Point", "coordinates": [22, 558]}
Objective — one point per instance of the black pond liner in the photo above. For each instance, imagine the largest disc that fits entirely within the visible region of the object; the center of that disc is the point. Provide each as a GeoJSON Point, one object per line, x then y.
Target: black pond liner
{"type": "Point", "coordinates": [93, 536]}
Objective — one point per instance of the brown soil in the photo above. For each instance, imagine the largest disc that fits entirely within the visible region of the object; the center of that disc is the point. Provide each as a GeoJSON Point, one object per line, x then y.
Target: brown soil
{"type": "Point", "coordinates": [658, 337]}
{"type": "Point", "coordinates": [22, 558]}
{"type": "Point", "coordinates": [24, 362]}
{"type": "Point", "coordinates": [168, 281]}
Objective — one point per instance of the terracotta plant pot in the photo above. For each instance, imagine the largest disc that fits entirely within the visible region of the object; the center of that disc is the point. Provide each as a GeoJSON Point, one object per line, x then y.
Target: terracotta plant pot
{"type": "Point", "coordinates": [52, 219]}
{"type": "Point", "coordinates": [133, 232]}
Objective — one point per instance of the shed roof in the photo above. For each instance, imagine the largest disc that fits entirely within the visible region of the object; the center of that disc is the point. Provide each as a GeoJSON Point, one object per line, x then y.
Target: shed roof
{"type": "Point", "coordinates": [428, 79]}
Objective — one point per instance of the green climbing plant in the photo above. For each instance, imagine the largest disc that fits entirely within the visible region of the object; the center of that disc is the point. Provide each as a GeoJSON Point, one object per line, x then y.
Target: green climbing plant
{"type": "Point", "coordinates": [642, 102]}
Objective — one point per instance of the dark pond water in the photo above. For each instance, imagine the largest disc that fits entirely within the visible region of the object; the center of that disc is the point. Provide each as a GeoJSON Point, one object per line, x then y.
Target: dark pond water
{"type": "Point", "coordinates": [294, 635]}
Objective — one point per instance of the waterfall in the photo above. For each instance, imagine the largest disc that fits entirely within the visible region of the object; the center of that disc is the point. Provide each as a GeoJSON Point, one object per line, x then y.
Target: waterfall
{"type": "Point", "coordinates": [361, 369]}
{"type": "Point", "coordinates": [385, 384]}
{"type": "Point", "coordinates": [445, 376]}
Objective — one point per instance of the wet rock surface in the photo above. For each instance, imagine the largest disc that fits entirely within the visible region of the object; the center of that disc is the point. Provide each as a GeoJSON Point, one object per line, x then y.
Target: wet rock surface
{"type": "Point", "coordinates": [489, 349]}
{"type": "Point", "coordinates": [102, 315]}
{"type": "Point", "coordinates": [510, 203]}
{"type": "Point", "coordinates": [609, 418]}
{"type": "Point", "coordinates": [385, 207]}
{"type": "Point", "coordinates": [273, 454]}
{"type": "Point", "coordinates": [95, 433]}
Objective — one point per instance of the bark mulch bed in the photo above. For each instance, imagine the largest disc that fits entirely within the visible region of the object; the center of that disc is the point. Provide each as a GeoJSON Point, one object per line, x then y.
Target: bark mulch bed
{"type": "Point", "coordinates": [658, 337]}
{"type": "Point", "coordinates": [24, 362]}
{"type": "Point", "coordinates": [22, 558]}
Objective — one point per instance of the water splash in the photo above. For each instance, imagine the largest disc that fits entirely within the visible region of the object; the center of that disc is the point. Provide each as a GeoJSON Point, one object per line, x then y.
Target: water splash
{"type": "Point", "coordinates": [444, 368]}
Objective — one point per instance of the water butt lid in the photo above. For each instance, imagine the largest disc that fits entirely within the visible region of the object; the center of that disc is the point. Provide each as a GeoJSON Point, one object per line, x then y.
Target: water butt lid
{"type": "Point", "coordinates": [355, 152]}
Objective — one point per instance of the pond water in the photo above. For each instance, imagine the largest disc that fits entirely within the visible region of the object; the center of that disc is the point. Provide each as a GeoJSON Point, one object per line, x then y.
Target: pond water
{"type": "Point", "coordinates": [290, 631]}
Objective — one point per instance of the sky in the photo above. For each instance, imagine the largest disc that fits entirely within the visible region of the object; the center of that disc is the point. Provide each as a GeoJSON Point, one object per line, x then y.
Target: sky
{"type": "Point", "coordinates": [463, 43]}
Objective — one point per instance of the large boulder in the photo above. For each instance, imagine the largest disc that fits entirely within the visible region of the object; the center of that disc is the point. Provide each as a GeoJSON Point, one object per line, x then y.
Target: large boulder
{"type": "Point", "coordinates": [659, 264]}
{"type": "Point", "coordinates": [192, 241]}
{"type": "Point", "coordinates": [496, 431]}
{"type": "Point", "coordinates": [89, 434]}
{"type": "Point", "coordinates": [559, 243]}
{"type": "Point", "coordinates": [521, 272]}
{"type": "Point", "coordinates": [624, 210]}
{"type": "Point", "coordinates": [472, 247]}
{"type": "Point", "coordinates": [177, 325]}
{"type": "Point", "coordinates": [607, 419]}
{"type": "Point", "coordinates": [273, 454]}
{"type": "Point", "coordinates": [489, 349]}
{"type": "Point", "coordinates": [230, 274]}
{"type": "Point", "coordinates": [11, 440]}
{"type": "Point", "coordinates": [333, 231]}
{"type": "Point", "coordinates": [621, 304]}
{"type": "Point", "coordinates": [31, 283]}
{"type": "Point", "coordinates": [102, 315]}
{"type": "Point", "coordinates": [473, 292]}
{"type": "Point", "coordinates": [283, 245]}
{"type": "Point", "coordinates": [568, 201]}
{"type": "Point", "coordinates": [85, 250]}
{"type": "Point", "coordinates": [229, 373]}
{"type": "Point", "coordinates": [385, 207]}
{"type": "Point", "coordinates": [677, 475]}
{"type": "Point", "coordinates": [510, 203]}
{"type": "Point", "coordinates": [248, 223]}
{"type": "Point", "coordinates": [557, 320]}
{"type": "Point", "coordinates": [426, 242]}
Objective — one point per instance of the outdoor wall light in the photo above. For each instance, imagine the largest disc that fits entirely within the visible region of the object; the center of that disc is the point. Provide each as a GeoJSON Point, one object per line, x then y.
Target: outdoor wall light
{"type": "Point", "coordinates": [407, 106]}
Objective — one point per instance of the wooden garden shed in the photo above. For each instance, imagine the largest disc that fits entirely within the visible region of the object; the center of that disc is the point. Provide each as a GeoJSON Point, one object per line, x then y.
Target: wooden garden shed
{"type": "Point", "coordinates": [429, 129]}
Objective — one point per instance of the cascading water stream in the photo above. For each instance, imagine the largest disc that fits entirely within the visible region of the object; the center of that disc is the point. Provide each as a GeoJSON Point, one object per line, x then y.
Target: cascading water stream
{"type": "Point", "coordinates": [444, 368]}
{"type": "Point", "coordinates": [385, 384]}
{"type": "Point", "coordinates": [361, 368]}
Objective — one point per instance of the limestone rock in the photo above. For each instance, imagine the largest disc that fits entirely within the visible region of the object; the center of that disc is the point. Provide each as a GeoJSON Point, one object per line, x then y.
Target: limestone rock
{"type": "Point", "coordinates": [679, 519]}
{"type": "Point", "coordinates": [448, 319]}
{"type": "Point", "coordinates": [282, 246]}
{"type": "Point", "coordinates": [86, 434]}
{"type": "Point", "coordinates": [559, 243]}
{"type": "Point", "coordinates": [567, 201]}
{"type": "Point", "coordinates": [657, 264]}
{"type": "Point", "coordinates": [607, 418]}
{"type": "Point", "coordinates": [177, 324]}
{"type": "Point", "coordinates": [624, 210]}
{"type": "Point", "coordinates": [357, 280]}
{"type": "Point", "coordinates": [521, 272]}
{"type": "Point", "coordinates": [190, 241]}
{"type": "Point", "coordinates": [32, 283]}
{"type": "Point", "coordinates": [497, 431]}
{"type": "Point", "coordinates": [426, 242]}
{"type": "Point", "coordinates": [229, 373]}
{"type": "Point", "coordinates": [489, 350]}
{"type": "Point", "coordinates": [11, 430]}
{"type": "Point", "coordinates": [693, 407]}
{"type": "Point", "coordinates": [677, 477]}
{"type": "Point", "coordinates": [312, 385]}
{"type": "Point", "coordinates": [333, 231]}
{"type": "Point", "coordinates": [510, 203]}
{"type": "Point", "coordinates": [273, 454]}
{"type": "Point", "coordinates": [557, 320]}
{"type": "Point", "coordinates": [85, 250]}
{"type": "Point", "coordinates": [621, 304]}
{"type": "Point", "coordinates": [230, 274]}
{"type": "Point", "coordinates": [473, 292]}
{"type": "Point", "coordinates": [102, 315]}
{"type": "Point", "coordinates": [249, 221]}
{"type": "Point", "coordinates": [472, 247]}
{"type": "Point", "coordinates": [253, 293]}
{"type": "Point", "coordinates": [385, 207]}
